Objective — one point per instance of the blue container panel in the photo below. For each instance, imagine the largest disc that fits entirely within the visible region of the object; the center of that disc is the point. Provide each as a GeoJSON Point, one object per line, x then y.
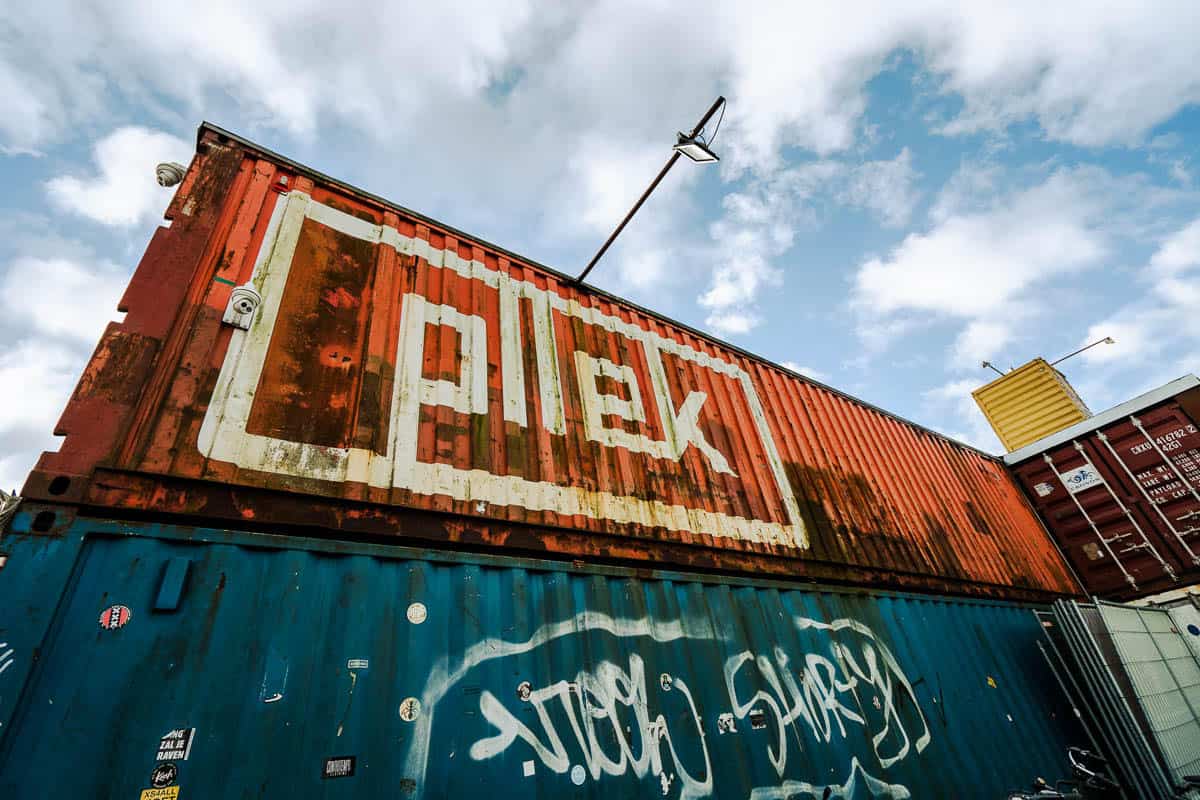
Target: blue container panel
{"type": "Point", "coordinates": [509, 679]}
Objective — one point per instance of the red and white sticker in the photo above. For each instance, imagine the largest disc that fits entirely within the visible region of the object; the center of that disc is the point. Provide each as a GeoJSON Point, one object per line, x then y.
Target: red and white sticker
{"type": "Point", "coordinates": [115, 617]}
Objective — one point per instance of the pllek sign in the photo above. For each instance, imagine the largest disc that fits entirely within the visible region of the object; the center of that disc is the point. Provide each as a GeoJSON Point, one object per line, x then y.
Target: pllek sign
{"type": "Point", "coordinates": [1079, 479]}
{"type": "Point", "coordinates": [176, 745]}
{"type": "Point", "coordinates": [529, 362]}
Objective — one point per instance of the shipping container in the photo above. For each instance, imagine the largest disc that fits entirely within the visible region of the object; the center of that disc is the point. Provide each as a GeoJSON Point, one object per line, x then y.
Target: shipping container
{"type": "Point", "coordinates": [1030, 402]}
{"type": "Point", "coordinates": [197, 662]}
{"type": "Point", "coordinates": [297, 353]}
{"type": "Point", "coordinates": [1120, 492]}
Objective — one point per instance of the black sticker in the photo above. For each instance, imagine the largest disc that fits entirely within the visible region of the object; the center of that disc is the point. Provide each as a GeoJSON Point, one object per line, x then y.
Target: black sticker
{"type": "Point", "coordinates": [163, 775]}
{"type": "Point", "coordinates": [339, 767]}
{"type": "Point", "coordinates": [758, 719]}
{"type": "Point", "coordinates": [176, 745]}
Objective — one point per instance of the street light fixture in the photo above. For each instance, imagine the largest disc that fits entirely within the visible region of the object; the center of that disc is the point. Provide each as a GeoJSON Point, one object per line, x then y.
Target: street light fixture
{"type": "Point", "coordinates": [690, 145]}
{"type": "Point", "coordinates": [695, 148]}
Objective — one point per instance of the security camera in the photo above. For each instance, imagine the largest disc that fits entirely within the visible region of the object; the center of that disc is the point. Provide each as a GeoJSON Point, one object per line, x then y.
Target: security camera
{"type": "Point", "coordinates": [169, 173]}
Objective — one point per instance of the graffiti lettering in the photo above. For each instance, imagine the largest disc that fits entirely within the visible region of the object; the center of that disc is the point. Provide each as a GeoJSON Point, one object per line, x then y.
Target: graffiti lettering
{"type": "Point", "coordinates": [605, 721]}
{"type": "Point", "coordinates": [597, 699]}
{"type": "Point", "coordinates": [813, 692]}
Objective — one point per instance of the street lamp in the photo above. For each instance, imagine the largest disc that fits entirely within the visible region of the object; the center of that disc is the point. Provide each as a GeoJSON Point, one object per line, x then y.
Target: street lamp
{"type": "Point", "coordinates": [688, 144]}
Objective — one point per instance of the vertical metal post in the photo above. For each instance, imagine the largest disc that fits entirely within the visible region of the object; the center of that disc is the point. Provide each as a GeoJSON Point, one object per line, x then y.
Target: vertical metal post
{"type": "Point", "coordinates": [1128, 512]}
{"type": "Point", "coordinates": [653, 185]}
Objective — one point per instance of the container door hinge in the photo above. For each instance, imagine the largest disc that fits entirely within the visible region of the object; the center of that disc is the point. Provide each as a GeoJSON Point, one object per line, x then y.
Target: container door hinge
{"type": "Point", "coordinates": [243, 302]}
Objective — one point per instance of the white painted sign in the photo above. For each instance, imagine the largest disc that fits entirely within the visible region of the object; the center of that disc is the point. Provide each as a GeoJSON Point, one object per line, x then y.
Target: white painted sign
{"type": "Point", "coordinates": [1079, 479]}
{"type": "Point", "coordinates": [609, 420]}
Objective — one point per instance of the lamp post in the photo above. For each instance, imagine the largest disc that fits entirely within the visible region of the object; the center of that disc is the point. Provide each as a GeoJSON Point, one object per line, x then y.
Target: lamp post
{"type": "Point", "coordinates": [688, 144]}
{"type": "Point", "coordinates": [1105, 340]}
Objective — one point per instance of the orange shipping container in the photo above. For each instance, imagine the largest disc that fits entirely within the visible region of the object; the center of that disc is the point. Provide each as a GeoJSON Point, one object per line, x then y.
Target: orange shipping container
{"type": "Point", "coordinates": [299, 353]}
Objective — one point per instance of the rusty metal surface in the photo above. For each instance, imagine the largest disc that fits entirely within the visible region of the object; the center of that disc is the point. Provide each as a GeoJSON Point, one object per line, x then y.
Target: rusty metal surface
{"type": "Point", "coordinates": [395, 365]}
{"type": "Point", "coordinates": [1123, 497]}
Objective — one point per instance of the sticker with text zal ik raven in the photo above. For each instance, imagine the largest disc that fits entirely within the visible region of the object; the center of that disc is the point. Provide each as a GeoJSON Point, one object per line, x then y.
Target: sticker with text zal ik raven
{"type": "Point", "coordinates": [115, 617]}
{"type": "Point", "coordinates": [176, 745]}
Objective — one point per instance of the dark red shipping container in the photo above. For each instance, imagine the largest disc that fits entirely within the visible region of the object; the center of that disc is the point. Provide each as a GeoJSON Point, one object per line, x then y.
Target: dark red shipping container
{"type": "Point", "coordinates": [1120, 492]}
{"type": "Point", "coordinates": [298, 353]}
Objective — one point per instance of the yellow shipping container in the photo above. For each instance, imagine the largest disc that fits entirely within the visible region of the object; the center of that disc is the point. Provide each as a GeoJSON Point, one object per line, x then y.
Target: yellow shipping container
{"type": "Point", "coordinates": [1031, 401]}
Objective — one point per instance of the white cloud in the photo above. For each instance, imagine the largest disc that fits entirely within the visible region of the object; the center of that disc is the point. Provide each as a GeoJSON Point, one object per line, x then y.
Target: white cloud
{"type": "Point", "coordinates": [1159, 329]}
{"type": "Point", "coordinates": [982, 340]}
{"type": "Point", "coordinates": [952, 400]}
{"type": "Point", "coordinates": [885, 187]}
{"type": "Point", "coordinates": [60, 297]}
{"type": "Point", "coordinates": [1180, 251]}
{"type": "Point", "coordinates": [38, 377]}
{"type": "Point", "coordinates": [124, 190]}
{"type": "Point", "coordinates": [760, 223]}
{"type": "Point", "coordinates": [974, 264]}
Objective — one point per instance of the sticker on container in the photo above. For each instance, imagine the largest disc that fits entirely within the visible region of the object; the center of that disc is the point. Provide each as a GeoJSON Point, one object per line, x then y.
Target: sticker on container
{"type": "Point", "coordinates": [339, 767]}
{"type": "Point", "coordinates": [578, 776]}
{"type": "Point", "coordinates": [1079, 479]}
{"type": "Point", "coordinates": [358, 663]}
{"type": "Point", "coordinates": [417, 613]}
{"type": "Point", "coordinates": [164, 775]}
{"type": "Point", "coordinates": [410, 708]}
{"type": "Point", "coordinates": [115, 617]}
{"type": "Point", "coordinates": [991, 681]}
{"type": "Point", "coordinates": [528, 769]}
{"type": "Point", "coordinates": [1044, 489]}
{"type": "Point", "coordinates": [165, 793]}
{"type": "Point", "coordinates": [176, 745]}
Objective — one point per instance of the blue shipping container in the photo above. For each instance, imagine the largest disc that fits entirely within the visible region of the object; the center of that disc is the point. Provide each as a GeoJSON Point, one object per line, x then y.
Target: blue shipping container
{"type": "Point", "coordinates": [149, 661]}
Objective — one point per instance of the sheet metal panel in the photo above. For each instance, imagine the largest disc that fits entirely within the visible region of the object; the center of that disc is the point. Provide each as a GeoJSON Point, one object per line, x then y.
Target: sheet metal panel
{"type": "Point", "coordinates": [1029, 402]}
{"type": "Point", "coordinates": [1123, 499]}
{"type": "Point", "coordinates": [397, 364]}
{"type": "Point", "coordinates": [446, 675]}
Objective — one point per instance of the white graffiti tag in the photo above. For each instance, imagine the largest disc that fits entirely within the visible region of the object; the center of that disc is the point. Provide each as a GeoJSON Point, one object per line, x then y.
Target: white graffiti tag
{"type": "Point", "coordinates": [813, 689]}
{"type": "Point", "coordinates": [442, 678]}
{"type": "Point", "coordinates": [597, 699]}
{"type": "Point", "coordinates": [6, 657]}
{"type": "Point", "coordinates": [607, 721]}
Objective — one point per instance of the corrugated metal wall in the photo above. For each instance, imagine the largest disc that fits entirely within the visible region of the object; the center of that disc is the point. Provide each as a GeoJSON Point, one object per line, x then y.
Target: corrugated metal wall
{"type": "Point", "coordinates": [264, 661]}
{"type": "Point", "coordinates": [1029, 402]}
{"type": "Point", "coordinates": [1123, 499]}
{"type": "Point", "coordinates": [394, 363]}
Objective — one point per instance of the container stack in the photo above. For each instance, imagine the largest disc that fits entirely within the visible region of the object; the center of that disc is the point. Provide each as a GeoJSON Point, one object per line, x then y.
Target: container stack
{"type": "Point", "coordinates": [353, 503]}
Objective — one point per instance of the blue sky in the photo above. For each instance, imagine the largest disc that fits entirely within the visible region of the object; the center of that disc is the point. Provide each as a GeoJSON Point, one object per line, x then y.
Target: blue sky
{"type": "Point", "coordinates": [905, 189]}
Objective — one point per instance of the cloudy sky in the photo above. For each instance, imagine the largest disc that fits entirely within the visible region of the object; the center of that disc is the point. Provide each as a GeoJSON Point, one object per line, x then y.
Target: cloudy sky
{"type": "Point", "coordinates": [905, 188]}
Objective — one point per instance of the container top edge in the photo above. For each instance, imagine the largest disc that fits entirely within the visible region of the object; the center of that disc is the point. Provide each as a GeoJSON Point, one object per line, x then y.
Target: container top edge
{"type": "Point", "coordinates": [327, 179]}
{"type": "Point", "coordinates": [1152, 397]}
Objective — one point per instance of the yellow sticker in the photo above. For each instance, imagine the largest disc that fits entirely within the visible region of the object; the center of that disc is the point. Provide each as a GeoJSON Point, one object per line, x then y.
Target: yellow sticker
{"type": "Point", "coordinates": [165, 793]}
{"type": "Point", "coordinates": [991, 683]}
